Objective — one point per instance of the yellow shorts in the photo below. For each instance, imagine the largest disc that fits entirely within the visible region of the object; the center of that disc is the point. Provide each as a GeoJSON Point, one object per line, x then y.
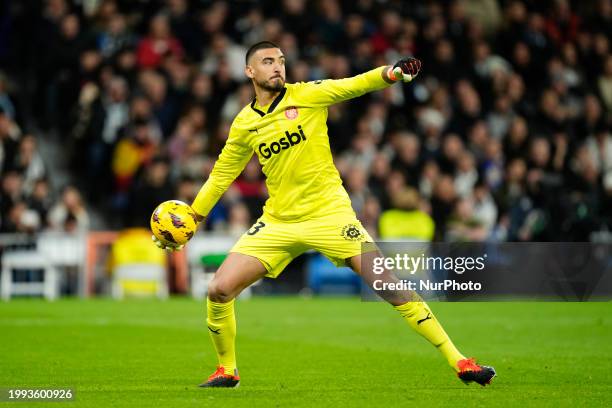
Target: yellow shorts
{"type": "Point", "coordinates": [275, 244]}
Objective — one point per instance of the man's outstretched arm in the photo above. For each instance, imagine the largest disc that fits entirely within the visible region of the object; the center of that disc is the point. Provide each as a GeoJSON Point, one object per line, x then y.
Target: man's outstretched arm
{"type": "Point", "coordinates": [330, 91]}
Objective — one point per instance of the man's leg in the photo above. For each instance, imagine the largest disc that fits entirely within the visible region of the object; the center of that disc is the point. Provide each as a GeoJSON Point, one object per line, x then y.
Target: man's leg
{"type": "Point", "coordinates": [339, 237]}
{"type": "Point", "coordinates": [264, 250]}
{"type": "Point", "coordinates": [237, 272]}
{"type": "Point", "coordinates": [413, 309]}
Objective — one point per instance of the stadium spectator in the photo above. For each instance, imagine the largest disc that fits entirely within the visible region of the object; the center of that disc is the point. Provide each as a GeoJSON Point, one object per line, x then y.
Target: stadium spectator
{"type": "Point", "coordinates": [21, 219]}
{"type": "Point", "coordinates": [158, 44]}
{"type": "Point", "coordinates": [132, 153]}
{"type": "Point", "coordinates": [406, 220]}
{"type": "Point", "coordinates": [152, 187]}
{"type": "Point", "coordinates": [115, 36]}
{"type": "Point", "coordinates": [187, 189]}
{"type": "Point", "coordinates": [29, 163]}
{"type": "Point", "coordinates": [443, 202]}
{"type": "Point", "coordinates": [41, 200]}
{"type": "Point", "coordinates": [604, 84]}
{"type": "Point", "coordinates": [9, 140]}
{"type": "Point", "coordinates": [239, 219]}
{"type": "Point", "coordinates": [251, 187]}
{"type": "Point", "coordinates": [12, 194]}
{"type": "Point", "coordinates": [69, 215]}
{"type": "Point", "coordinates": [6, 104]}
{"type": "Point", "coordinates": [463, 226]}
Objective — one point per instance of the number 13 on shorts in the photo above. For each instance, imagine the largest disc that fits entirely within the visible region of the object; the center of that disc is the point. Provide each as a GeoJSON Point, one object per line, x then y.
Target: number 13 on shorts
{"type": "Point", "coordinates": [256, 227]}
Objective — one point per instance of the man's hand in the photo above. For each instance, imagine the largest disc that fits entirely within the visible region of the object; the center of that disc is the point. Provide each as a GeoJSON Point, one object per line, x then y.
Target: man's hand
{"type": "Point", "coordinates": [169, 248]}
{"type": "Point", "coordinates": [405, 70]}
{"type": "Point", "coordinates": [176, 247]}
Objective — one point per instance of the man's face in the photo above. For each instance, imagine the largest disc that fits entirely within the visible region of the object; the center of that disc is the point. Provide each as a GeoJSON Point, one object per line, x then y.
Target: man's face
{"type": "Point", "coordinates": [266, 68]}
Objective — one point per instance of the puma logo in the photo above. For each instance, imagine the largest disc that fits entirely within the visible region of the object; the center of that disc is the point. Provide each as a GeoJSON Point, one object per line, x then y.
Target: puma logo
{"type": "Point", "coordinates": [426, 318]}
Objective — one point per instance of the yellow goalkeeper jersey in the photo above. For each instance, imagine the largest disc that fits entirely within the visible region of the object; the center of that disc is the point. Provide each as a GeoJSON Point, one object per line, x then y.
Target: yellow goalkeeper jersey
{"type": "Point", "coordinates": [289, 136]}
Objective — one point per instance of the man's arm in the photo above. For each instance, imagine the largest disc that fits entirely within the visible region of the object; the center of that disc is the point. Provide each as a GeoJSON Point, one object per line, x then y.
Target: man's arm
{"type": "Point", "coordinates": [330, 91]}
{"type": "Point", "coordinates": [232, 160]}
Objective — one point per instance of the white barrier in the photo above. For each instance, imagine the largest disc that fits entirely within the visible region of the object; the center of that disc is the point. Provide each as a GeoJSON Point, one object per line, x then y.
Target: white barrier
{"type": "Point", "coordinates": [28, 260]}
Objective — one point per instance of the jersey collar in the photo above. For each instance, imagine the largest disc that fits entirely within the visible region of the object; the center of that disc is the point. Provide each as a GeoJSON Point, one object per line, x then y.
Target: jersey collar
{"type": "Point", "coordinates": [274, 104]}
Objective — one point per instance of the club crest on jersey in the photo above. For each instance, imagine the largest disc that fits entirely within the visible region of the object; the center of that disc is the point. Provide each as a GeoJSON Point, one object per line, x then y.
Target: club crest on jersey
{"type": "Point", "coordinates": [351, 232]}
{"type": "Point", "coordinates": [291, 112]}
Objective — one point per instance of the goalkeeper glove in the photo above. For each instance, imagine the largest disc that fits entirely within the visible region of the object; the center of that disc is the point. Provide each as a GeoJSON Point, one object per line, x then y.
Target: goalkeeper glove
{"type": "Point", "coordinates": [174, 247]}
{"type": "Point", "coordinates": [167, 247]}
{"type": "Point", "coordinates": [405, 70]}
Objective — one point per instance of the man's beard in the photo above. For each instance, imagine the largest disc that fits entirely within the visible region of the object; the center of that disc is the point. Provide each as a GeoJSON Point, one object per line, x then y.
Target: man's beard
{"type": "Point", "coordinates": [272, 86]}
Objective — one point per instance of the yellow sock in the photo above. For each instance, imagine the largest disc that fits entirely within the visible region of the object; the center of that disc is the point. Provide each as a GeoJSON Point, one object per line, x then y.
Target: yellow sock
{"type": "Point", "coordinates": [422, 320]}
{"type": "Point", "coordinates": [221, 322]}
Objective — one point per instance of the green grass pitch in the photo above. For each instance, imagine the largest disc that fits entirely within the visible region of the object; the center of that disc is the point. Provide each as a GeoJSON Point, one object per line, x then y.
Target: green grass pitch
{"type": "Point", "coordinates": [305, 352]}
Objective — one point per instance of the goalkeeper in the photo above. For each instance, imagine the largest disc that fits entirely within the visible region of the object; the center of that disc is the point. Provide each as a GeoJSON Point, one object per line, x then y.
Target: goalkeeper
{"type": "Point", "coordinates": [308, 208]}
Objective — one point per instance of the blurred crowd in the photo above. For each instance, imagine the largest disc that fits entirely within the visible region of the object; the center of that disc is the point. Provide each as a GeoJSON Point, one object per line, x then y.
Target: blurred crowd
{"type": "Point", "coordinates": [28, 203]}
{"type": "Point", "coordinates": [504, 136]}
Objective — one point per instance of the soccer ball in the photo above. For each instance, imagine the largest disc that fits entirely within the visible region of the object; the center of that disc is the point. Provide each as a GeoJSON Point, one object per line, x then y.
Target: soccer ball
{"type": "Point", "coordinates": [174, 222]}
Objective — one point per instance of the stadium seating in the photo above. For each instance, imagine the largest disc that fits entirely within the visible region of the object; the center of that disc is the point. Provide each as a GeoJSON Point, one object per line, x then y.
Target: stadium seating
{"type": "Point", "coordinates": [324, 277]}
{"type": "Point", "coordinates": [28, 264]}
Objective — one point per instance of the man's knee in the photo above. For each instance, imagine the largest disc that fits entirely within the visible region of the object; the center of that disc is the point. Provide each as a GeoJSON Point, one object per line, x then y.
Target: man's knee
{"type": "Point", "coordinates": [220, 291]}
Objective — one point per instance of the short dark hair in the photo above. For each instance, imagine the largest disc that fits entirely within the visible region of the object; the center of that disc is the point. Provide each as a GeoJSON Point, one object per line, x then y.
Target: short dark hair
{"type": "Point", "coordinates": [259, 46]}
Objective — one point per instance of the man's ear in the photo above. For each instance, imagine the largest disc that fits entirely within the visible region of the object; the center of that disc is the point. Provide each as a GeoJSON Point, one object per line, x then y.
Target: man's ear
{"type": "Point", "coordinates": [248, 71]}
